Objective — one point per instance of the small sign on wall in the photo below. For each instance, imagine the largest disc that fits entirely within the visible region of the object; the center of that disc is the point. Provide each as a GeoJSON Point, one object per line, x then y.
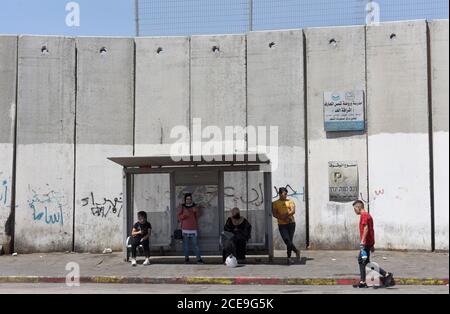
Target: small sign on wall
{"type": "Point", "coordinates": [344, 111]}
{"type": "Point", "coordinates": [343, 181]}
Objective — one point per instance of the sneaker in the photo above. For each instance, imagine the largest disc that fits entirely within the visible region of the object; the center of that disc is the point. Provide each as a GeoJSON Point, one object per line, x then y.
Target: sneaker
{"type": "Point", "coordinates": [147, 261]}
{"type": "Point", "coordinates": [361, 285]}
{"type": "Point", "coordinates": [298, 256]}
{"type": "Point", "coordinates": [289, 261]}
{"type": "Point", "coordinates": [389, 280]}
{"type": "Point", "coordinates": [133, 262]}
{"type": "Point", "coordinates": [186, 260]}
{"type": "Point", "coordinates": [200, 262]}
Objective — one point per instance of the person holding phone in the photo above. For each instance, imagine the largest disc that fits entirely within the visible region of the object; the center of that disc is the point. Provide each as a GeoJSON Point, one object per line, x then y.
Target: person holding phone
{"type": "Point", "coordinates": [188, 214]}
{"type": "Point", "coordinates": [141, 236]}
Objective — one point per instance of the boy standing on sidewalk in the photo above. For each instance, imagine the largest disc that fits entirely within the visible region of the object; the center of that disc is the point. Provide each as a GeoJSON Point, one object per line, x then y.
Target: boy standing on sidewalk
{"type": "Point", "coordinates": [367, 246]}
{"type": "Point", "coordinates": [284, 210]}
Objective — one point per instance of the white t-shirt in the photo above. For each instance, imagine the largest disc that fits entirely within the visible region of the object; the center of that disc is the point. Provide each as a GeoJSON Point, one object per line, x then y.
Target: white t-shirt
{"type": "Point", "coordinates": [193, 232]}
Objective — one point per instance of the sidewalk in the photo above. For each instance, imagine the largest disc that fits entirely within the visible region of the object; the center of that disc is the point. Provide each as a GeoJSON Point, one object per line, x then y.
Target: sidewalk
{"type": "Point", "coordinates": [316, 268]}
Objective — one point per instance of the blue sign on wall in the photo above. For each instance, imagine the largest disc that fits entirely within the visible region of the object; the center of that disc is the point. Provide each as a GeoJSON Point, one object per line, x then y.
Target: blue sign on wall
{"type": "Point", "coordinates": [344, 111]}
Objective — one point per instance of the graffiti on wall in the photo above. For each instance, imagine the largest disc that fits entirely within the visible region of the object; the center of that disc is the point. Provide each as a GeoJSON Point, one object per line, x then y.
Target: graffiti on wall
{"type": "Point", "coordinates": [292, 193]}
{"type": "Point", "coordinates": [255, 196]}
{"type": "Point", "coordinates": [204, 195]}
{"type": "Point", "coordinates": [47, 208]}
{"type": "Point", "coordinates": [4, 193]}
{"type": "Point", "coordinates": [105, 208]}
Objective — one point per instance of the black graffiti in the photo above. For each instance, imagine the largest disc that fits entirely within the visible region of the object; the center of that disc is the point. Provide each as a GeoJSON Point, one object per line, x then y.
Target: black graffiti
{"type": "Point", "coordinates": [105, 209]}
{"type": "Point", "coordinates": [256, 198]}
{"type": "Point", "coordinates": [292, 193]}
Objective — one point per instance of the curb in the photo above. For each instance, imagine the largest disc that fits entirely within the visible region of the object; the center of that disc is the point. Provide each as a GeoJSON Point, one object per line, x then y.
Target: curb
{"type": "Point", "coordinates": [220, 281]}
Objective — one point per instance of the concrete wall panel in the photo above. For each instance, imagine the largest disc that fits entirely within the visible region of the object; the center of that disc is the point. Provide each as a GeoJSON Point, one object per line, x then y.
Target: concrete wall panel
{"type": "Point", "coordinates": [276, 98]}
{"type": "Point", "coordinates": [439, 93]}
{"type": "Point", "coordinates": [45, 144]}
{"type": "Point", "coordinates": [398, 145]}
{"type": "Point", "coordinates": [162, 93]}
{"type": "Point", "coordinates": [105, 108]}
{"type": "Point", "coordinates": [335, 62]}
{"type": "Point", "coordinates": [218, 88]}
{"type": "Point", "coordinates": [8, 69]}
{"type": "Point", "coordinates": [218, 96]}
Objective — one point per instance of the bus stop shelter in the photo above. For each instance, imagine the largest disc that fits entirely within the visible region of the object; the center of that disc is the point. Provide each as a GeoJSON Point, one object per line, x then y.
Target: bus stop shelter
{"type": "Point", "coordinates": [157, 185]}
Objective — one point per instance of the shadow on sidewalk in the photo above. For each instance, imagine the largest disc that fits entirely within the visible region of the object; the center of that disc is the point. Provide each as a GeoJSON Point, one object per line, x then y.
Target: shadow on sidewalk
{"type": "Point", "coordinates": [217, 260]}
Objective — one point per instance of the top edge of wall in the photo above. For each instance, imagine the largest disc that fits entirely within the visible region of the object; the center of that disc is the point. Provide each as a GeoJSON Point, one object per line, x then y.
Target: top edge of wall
{"type": "Point", "coordinates": [219, 35]}
{"type": "Point", "coordinates": [162, 37]}
{"type": "Point", "coordinates": [276, 30]}
{"type": "Point", "coordinates": [104, 37]}
{"type": "Point", "coordinates": [65, 36]}
{"type": "Point", "coordinates": [336, 27]}
{"type": "Point", "coordinates": [440, 21]}
{"type": "Point", "coordinates": [423, 21]}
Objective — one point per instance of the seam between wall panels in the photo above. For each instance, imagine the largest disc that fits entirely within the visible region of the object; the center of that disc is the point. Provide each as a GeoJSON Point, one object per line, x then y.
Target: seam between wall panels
{"type": "Point", "coordinates": [190, 96]}
{"type": "Point", "coordinates": [305, 107]}
{"type": "Point", "coordinates": [75, 148]}
{"type": "Point", "coordinates": [431, 137]}
{"type": "Point", "coordinates": [134, 94]}
{"type": "Point", "coordinates": [367, 118]}
{"type": "Point", "coordinates": [12, 214]}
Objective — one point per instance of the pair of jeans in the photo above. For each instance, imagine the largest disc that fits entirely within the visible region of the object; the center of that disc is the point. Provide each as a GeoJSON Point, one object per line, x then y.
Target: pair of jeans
{"type": "Point", "coordinates": [364, 262]}
{"type": "Point", "coordinates": [287, 234]}
{"type": "Point", "coordinates": [187, 237]}
{"type": "Point", "coordinates": [135, 244]}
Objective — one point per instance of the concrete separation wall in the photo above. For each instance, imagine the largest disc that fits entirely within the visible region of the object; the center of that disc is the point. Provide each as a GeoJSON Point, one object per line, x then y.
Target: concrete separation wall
{"type": "Point", "coordinates": [276, 99]}
{"type": "Point", "coordinates": [399, 172]}
{"type": "Point", "coordinates": [45, 144]}
{"type": "Point", "coordinates": [336, 62]}
{"type": "Point", "coordinates": [8, 66]}
{"type": "Point", "coordinates": [105, 109]}
{"type": "Point", "coordinates": [81, 100]}
{"type": "Point", "coordinates": [439, 87]}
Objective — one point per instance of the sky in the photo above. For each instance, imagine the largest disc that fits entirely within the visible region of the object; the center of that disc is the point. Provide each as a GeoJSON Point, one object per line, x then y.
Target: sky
{"type": "Point", "coordinates": [187, 17]}
{"type": "Point", "coordinates": [48, 17]}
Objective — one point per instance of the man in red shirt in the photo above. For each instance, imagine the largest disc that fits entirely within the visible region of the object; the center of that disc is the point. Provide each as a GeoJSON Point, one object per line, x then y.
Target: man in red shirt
{"type": "Point", "coordinates": [367, 246]}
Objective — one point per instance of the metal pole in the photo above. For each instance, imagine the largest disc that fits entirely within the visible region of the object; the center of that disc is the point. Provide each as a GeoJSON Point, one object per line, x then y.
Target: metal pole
{"type": "Point", "coordinates": [136, 15]}
{"type": "Point", "coordinates": [250, 15]}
